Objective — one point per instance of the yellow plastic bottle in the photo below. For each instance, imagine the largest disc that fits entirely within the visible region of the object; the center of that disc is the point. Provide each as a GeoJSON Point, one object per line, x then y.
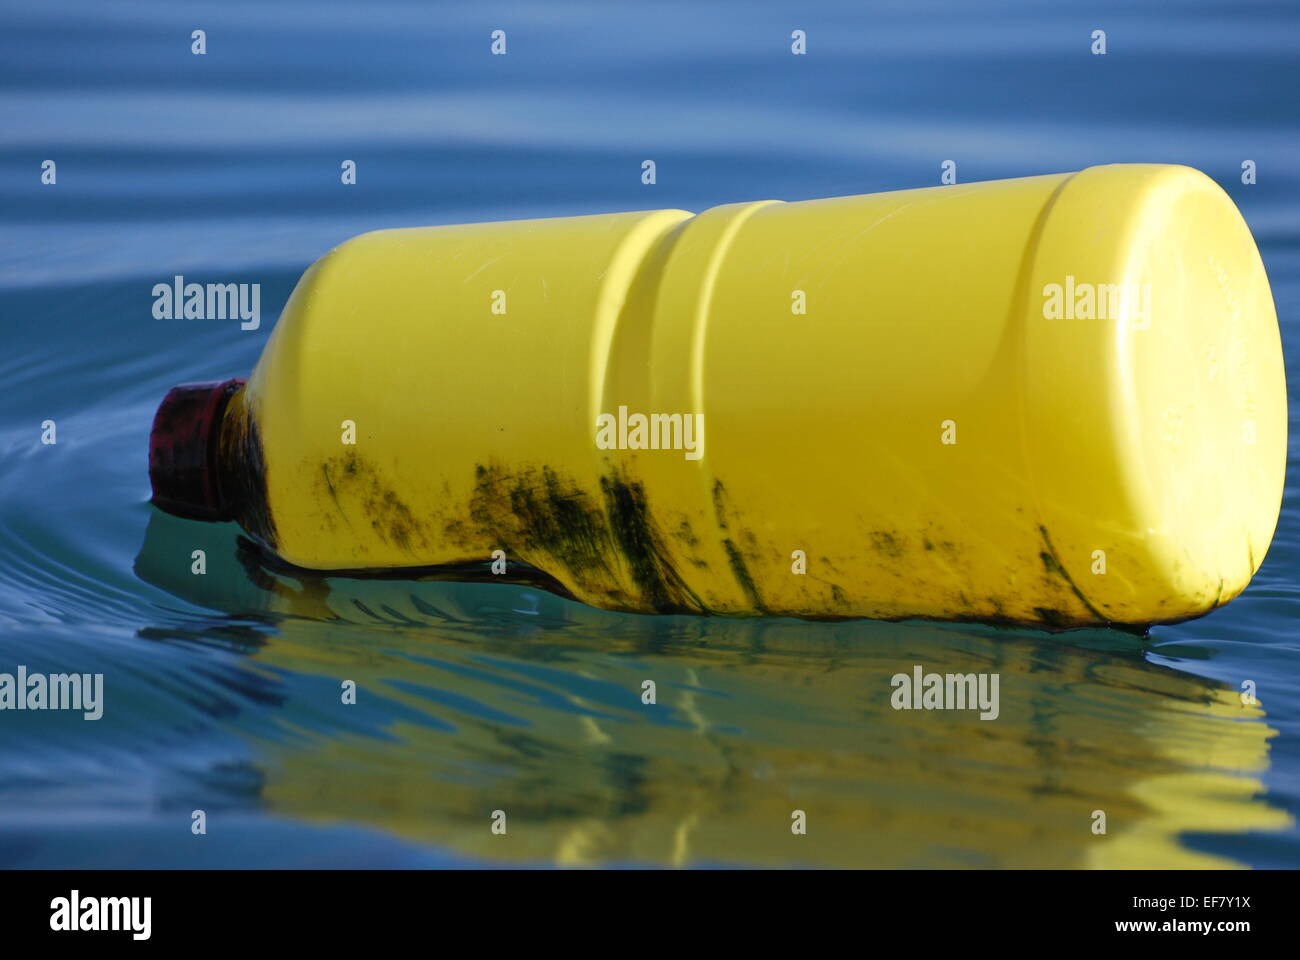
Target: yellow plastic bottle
{"type": "Point", "coordinates": [1056, 400]}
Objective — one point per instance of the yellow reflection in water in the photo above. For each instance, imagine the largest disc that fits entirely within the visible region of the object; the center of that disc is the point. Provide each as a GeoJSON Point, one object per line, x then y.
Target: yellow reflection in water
{"type": "Point", "coordinates": [521, 702]}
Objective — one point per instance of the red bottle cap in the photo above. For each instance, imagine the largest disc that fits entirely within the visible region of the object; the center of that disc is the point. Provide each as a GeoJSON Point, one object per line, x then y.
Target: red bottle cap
{"type": "Point", "coordinates": [183, 449]}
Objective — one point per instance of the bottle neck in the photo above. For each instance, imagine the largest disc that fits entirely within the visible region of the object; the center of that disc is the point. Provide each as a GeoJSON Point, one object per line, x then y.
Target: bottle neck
{"type": "Point", "coordinates": [240, 462]}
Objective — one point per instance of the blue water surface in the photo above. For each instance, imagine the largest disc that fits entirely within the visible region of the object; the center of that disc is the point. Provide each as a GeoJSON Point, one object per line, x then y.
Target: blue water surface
{"type": "Point", "coordinates": [223, 690]}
